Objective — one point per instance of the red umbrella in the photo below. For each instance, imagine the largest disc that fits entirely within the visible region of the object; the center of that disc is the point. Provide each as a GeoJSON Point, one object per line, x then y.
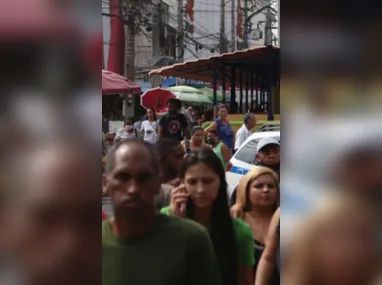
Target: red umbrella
{"type": "Point", "coordinates": [157, 99]}
{"type": "Point", "coordinates": [113, 83]}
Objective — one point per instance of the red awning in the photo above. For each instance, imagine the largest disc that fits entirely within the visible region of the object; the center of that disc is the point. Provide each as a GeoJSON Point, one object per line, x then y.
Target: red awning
{"type": "Point", "coordinates": [113, 83]}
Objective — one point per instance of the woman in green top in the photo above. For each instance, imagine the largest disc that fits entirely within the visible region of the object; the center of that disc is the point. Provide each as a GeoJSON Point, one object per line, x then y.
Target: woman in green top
{"type": "Point", "coordinates": [203, 198]}
{"type": "Point", "coordinates": [220, 149]}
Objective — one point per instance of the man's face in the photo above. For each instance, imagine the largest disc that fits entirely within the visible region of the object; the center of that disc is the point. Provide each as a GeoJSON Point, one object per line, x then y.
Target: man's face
{"type": "Point", "coordinates": [173, 161]}
{"type": "Point", "coordinates": [171, 108]}
{"type": "Point", "coordinates": [133, 183]}
{"type": "Point", "coordinates": [269, 155]}
{"type": "Point", "coordinates": [212, 137]}
{"type": "Point", "coordinates": [54, 221]}
{"type": "Point", "coordinates": [252, 122]}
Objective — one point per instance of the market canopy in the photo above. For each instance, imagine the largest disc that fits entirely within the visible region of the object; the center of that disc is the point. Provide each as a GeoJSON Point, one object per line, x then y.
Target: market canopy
{"type": "Point", "coordinates": [209, 92]}
{"type": "Point", "coordinates": [248, 63]}
{"type": "Point", "coordinates": [190, 94]}
{"type": "Point", "coordinates": [113, 83]}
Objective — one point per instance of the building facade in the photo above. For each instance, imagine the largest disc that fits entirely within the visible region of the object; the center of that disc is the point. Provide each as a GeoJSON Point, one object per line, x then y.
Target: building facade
{"type": "Point", "coordinates": [202, 27]}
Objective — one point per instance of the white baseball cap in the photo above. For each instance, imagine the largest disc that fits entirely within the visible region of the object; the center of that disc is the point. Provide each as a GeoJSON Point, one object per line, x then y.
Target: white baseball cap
{"type": "Point", "coordinates": [267, 141]}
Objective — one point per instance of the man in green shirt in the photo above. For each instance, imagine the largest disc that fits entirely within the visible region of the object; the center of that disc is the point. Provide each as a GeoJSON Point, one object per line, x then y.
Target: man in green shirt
{"type": "Point", "coordinates": [139, 245]}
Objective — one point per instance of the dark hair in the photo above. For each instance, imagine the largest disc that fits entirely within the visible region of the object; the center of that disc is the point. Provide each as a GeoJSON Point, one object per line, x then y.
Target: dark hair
{"type": "Point", "coordinates": [222, 232]}
{"type": "Point", "coordinates": [110, 157]}
{"type": "Point", "coordinates": [214, 132]}
{"type": "Point", "coordinates": [165, 145]}
{"type": "Point", "coordinates": [154, 114]}
{"type": "Point", "coordinates": [195, 129]}
{"type": "Point", "coordinates": [176, 102]}
{"type": "Point", "coordinates": [131, 119]}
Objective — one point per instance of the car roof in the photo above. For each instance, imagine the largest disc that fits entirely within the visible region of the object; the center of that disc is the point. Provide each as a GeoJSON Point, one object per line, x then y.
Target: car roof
{"type": "Point", "coordinates": [259, 135]}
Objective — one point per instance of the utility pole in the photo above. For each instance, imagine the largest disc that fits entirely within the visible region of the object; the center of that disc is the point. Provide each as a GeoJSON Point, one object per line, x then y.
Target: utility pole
{"type": "Point", "coordinates": [130, 41]}
{"type": "Point", "coordinates": [180, 36]}
{"type": "Point", "coordinates": [222, 42]}
{"type": "Point", "coordinates": [278, 22]}
{"type": "Point", "coordinates": [246, 25]}
{"type": "Point", "coordinates": [268, 37]}
{"type": "Point", "coordinates": [180, 32]}
{"type": "Point", "coordinates": [155, 42]}
{"type": "Point", "coordinates": [233, 27]}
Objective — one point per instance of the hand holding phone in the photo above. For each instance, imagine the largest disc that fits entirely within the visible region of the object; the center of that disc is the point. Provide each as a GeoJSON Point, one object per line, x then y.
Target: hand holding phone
{"type": "Point", "coordinates": [179, 198]}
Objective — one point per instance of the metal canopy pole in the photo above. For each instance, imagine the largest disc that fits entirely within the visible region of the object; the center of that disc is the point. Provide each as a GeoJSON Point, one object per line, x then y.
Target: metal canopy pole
{"type": "Point", "coordinates": [246, 91]}
{"type": "Point", "coordinates": [215, 86]}
{"type": "Point", "coordinates": [252, 85]}
{"type": "Point", "coordinates": [241, 92]}
{"type": "Point", "coordinates": [223, 83]}
{"type": "Point", "coordinates": [233, 90]}
{"type": "Point", "coordinates": [257, 92]}
{"type": "Point", "coordinates": [270, 81]}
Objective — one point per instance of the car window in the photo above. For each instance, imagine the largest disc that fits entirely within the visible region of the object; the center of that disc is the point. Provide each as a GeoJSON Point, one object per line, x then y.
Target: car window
{"type": "Point", "coordinates": [248, 152]}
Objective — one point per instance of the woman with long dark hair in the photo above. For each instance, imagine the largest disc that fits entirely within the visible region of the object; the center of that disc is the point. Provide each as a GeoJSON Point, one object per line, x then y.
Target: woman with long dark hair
{"type": "Point", "coordinates": [149, 128]}
{"type": "Point", "coordinates": [203, 198]}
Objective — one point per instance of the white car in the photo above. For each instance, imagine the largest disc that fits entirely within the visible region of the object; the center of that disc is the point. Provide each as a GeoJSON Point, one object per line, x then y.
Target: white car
{"type": "Point", "coordinates": [244, 158]}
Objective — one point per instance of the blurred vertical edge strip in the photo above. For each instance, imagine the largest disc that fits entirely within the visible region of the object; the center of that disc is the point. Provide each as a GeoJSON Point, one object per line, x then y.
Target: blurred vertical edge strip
{"type": "Point", "coordinates": [50, 177]}
{"type": "Point", "coordinates": [332, 141]}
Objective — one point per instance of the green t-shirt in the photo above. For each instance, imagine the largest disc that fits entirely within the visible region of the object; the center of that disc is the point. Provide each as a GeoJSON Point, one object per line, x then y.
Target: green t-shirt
{"type": "Point", "coordinates": [244, 240]}
{"type": "Point", "coordinates": [176, 251]}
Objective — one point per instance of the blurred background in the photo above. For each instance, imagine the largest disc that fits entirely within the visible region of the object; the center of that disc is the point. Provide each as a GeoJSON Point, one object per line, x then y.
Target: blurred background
{"type": "Point", "coordinates": [332, 143]}
{"type": "Point", "coordinates": [50, 122]}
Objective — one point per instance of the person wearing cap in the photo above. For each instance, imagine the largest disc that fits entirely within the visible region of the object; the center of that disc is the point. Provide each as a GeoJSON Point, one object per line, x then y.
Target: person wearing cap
{"type": "Point", "coordinates": [268, 155]}
{"type": "Point", "coordinates": [245, 130]}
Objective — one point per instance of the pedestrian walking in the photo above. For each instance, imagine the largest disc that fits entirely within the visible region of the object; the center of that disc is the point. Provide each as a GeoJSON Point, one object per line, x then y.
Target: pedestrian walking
{"type": "Point", "coordinates": [223, 128]}
{"type": "Point", "coordinates": [268, 155]}
{"type": "Point", "coordinates": [257, 200]}
{"type": "Point", "coordinates": [173, 124]}
{"type": "Point", "coordinates": [139, 245]}
{"type": "Point", "coordinates": [128, 132]}
{"type": "Point", "coordinates": [149, 127]}
{"type": "Point", "coordinates": [196, 142]}
{"type": "Point", "coordinates": [220, 149]}
{"type": "Point", "coordinates": [245, 130]}
{"type": "Point", "coordinates": [170, 154]}
{"type": "Point", "coordinates": [203, 198]}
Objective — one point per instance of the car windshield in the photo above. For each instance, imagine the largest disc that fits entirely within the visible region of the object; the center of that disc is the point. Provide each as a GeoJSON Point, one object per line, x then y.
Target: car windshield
{"type": "Point", "coordinates": [248, 152]}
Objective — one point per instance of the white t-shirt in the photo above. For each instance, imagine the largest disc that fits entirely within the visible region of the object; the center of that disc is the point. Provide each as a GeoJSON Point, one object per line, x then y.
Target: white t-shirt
{"type": "Point", "coordinates": [122, 134]}
{"type": "Point", "coordinates": [241, 135]}
{"type": "Point", "coordinates": [150, 131]}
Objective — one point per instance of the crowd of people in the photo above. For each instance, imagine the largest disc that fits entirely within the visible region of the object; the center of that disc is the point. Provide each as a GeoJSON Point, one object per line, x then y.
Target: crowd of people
{"type": "Point", "coordinates": [173, 221]}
